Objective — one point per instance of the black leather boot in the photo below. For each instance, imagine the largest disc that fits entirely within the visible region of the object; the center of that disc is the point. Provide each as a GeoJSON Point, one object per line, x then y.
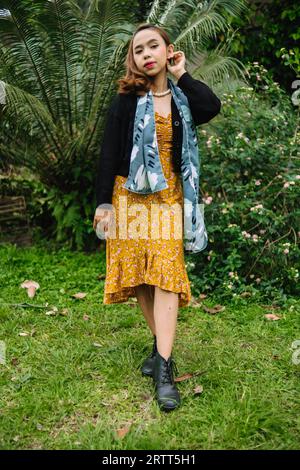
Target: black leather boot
{"type": "Point", "coordinates": [167, 395]}
{"type": "Point", "coordinates": [147, 366]}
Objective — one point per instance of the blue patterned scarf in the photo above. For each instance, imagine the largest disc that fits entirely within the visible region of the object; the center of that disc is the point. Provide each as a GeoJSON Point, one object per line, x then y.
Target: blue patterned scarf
{"type": "Point", "coordinates": [145, 172]}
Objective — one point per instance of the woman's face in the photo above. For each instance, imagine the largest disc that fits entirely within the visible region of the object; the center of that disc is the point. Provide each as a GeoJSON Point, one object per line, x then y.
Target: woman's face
{"type": "Point", "coordinates": [149, 46]}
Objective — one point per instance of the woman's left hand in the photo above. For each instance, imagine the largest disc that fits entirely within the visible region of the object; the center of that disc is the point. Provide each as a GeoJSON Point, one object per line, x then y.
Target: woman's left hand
{"type": "Point", "coordinates": [179, 62]}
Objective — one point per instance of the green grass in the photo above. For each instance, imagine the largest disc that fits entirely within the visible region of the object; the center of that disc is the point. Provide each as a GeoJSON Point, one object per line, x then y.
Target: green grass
{"type": "Point", "coordinates": [61, 391]}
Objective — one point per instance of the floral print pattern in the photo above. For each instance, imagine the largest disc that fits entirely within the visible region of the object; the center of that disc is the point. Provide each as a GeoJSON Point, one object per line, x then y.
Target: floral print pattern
{"type": "Point", "coordinates": [157, 261]}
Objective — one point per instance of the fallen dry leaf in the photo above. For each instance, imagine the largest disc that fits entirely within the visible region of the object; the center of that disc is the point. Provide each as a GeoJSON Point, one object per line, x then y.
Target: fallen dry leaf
{"type": "Point", "coordinates": [183, 377]}
{"type": "Point", "coordinates": [246, 294]}
{"type": "Point", "coordinates": [272, 316]}
{"type": "Point", "coordinates": [31, 287]}
{"type": "Point", "coordinates": [198, 389]}
{"type": "Point", "coordinates": [27, 333]}
{"type": "Point", "coordinates": [212, 310]}
{"type": "Point", "coordinates": [64, 312]}
{"type": "Point", "coordinates": [79, 295]}
{"type": "Point", "coordinates": [188, 376]}
{"type": "Point", "coordinates": [123, 431]}
{"type": "Point", "coordinates": [50, 312]}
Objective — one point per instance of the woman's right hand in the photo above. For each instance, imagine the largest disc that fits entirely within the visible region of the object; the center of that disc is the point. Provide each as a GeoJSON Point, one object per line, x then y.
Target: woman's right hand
{"type": "Point", "coordinates": [104, 216]}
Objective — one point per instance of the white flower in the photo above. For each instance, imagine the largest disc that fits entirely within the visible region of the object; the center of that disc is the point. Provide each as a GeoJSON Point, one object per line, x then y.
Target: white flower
{"type": "Point", "coordinates": [246, 234]}
{"type": "Point", "coordinates": [208, 200]}
{"type": "Point", "coordinates": [256, 208]}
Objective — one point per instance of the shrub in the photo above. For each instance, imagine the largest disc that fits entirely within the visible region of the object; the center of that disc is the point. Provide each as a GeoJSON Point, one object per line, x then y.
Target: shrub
{"type": "Point", "coordinates": [251, 187]}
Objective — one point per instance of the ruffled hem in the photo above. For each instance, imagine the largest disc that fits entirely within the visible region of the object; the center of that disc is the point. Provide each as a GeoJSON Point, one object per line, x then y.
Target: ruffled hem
{"type": "Point", "coordinates": [151, 269]}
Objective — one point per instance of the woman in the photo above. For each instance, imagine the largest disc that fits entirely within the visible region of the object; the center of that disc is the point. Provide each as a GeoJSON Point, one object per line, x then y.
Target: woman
{"type": "Point", "coordinates": [146, 152]}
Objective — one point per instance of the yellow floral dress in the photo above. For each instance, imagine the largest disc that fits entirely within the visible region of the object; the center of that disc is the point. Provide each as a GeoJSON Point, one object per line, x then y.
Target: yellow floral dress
{"type": "Point", "coordinates": [158, 260]}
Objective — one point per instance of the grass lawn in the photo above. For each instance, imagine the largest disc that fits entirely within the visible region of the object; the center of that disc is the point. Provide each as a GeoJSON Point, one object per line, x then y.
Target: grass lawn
{"type": "Point", "coordinates": [71, 380]}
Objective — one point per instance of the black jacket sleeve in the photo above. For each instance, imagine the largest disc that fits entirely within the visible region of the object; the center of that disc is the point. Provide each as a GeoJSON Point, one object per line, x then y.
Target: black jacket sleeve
{"type": "Point", "coordinates": [109, 156]}
{"type": "Point", "coordinates": [204, 104]}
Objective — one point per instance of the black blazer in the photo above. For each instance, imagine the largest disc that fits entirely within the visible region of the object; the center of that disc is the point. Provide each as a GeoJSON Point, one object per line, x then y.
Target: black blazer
{"type": "Point", "coordinates": [118, 133]}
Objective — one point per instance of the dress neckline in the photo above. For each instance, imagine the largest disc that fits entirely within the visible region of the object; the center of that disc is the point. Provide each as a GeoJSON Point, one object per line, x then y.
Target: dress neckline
{"type": "Point", "coordinates": [164, 117]}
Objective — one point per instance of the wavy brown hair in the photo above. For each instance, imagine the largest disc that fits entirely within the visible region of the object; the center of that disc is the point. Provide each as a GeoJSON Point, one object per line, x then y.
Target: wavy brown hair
{"type": "Point", "coordinates": [135, 81]}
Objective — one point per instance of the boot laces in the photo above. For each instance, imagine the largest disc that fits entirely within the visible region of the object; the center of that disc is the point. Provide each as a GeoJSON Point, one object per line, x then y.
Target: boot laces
{"type": "Point", "coordinates": [168, 371]}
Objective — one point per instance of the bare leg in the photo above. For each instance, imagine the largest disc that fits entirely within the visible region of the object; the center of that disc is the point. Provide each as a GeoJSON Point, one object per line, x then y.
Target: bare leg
{"type": "Point", "coordinates": [165, 317]}
{"type": "Point", "coordinates": [145, 296]}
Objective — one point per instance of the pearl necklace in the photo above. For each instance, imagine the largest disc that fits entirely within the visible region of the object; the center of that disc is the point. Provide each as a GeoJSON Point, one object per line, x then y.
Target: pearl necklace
{"type": "Point", "coordinates": [164, 93]}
